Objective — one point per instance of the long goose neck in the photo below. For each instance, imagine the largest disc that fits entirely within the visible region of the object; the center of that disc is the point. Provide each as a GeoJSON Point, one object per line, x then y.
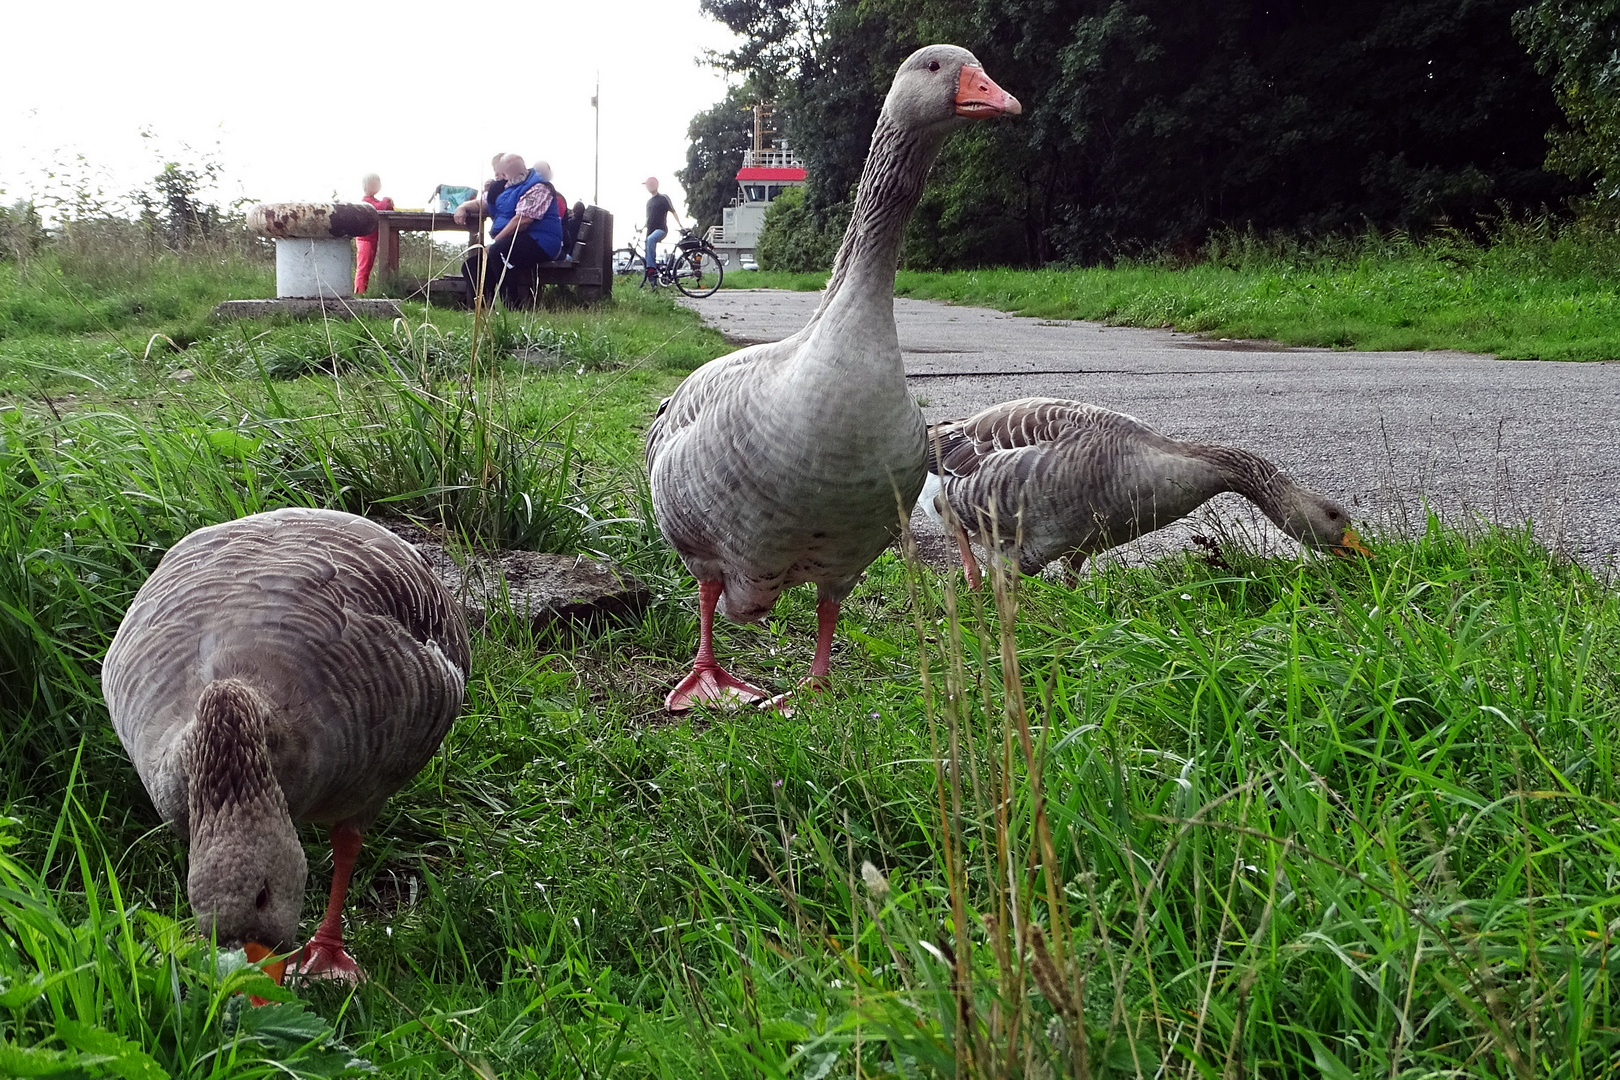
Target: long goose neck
{"type": "Point", "coordinates": [891, 184]}
{"type": "Point", "coordinates": [230, 782]}
{"type": "Point", "coordinates": [1248, 474]}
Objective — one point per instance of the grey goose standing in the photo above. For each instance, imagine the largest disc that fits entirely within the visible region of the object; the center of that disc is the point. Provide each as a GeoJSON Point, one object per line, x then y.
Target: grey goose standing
{"type": "Point", "coordinates": [1051, 477]}
{"type": "Point", "coordinates": [796, 461]}
{"type": "Point", "coordinates": [297, 665]}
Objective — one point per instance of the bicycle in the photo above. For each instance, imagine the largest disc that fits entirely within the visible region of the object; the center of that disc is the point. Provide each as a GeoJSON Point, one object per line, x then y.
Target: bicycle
{"type": "Point", "coordinates": [694, 267]}
{"type": "Point", "coordinates": [628, 259]}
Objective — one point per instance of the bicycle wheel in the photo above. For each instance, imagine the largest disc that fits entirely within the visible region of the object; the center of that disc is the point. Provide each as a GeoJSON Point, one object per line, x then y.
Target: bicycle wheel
{"type": "Point", "coordinates": [628, 261]}
{"type": "Point", "coordinates": [698, 273]}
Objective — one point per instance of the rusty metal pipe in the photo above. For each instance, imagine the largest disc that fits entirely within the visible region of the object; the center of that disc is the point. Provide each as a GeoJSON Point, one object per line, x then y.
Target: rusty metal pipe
{"type": "Point", "coordinates": [312, 221]}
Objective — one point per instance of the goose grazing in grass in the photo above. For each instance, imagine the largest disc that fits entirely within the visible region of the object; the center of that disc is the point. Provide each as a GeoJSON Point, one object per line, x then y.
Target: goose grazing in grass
{"type": "Point", "coordinates": [796, 461]}
{"type": "Point", "coordinates": [298, 665]}
{"type": "Point", "coordinates": [1067, 478]}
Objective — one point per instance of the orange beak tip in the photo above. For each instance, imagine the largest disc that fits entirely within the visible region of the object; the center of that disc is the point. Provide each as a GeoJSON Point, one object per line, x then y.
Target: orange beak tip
{"type": "Point", "coordinates": [257, 954]}
{"type": "Point", "coordinates": [978, 96]}
{"type": "Point", "coordinates": [1350, 544]}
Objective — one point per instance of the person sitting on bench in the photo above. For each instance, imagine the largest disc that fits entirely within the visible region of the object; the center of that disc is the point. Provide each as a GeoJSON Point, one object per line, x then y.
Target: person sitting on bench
{"type": "Point", "coordinates": [527, 231]}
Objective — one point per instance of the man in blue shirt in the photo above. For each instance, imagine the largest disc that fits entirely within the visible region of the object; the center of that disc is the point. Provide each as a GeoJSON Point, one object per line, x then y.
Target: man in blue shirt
{"type": "Point", "coordinates": [526, 222]}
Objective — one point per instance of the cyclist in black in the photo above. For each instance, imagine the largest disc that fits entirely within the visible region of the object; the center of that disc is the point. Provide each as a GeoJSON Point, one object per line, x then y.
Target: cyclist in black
{"type": "Point", "coordinates": [658, 207]}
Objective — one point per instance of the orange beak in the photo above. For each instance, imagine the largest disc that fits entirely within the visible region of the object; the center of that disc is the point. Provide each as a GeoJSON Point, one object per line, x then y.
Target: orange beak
{"type": "Point", "coordinates": [256, 952]}
{"type": "Point", "coordinates": [1350, 544]}
{"type": "Point", "coordinates": [979, 98]}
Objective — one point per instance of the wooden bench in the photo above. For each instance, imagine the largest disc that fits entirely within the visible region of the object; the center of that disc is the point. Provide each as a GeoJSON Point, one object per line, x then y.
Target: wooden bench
{"type": "Point", "coordinates": [589, 271]}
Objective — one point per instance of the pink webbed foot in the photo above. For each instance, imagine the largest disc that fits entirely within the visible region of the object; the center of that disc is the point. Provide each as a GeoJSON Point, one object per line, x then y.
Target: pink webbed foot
{"type": "Point", "coordinates": [326, 958]}
{"type": "Point", "coordinates": [711, 684]}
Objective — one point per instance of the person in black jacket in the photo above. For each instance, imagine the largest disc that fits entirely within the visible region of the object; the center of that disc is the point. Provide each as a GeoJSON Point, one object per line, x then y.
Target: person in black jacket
{"type": "Point", "coordinates": [658, 209]}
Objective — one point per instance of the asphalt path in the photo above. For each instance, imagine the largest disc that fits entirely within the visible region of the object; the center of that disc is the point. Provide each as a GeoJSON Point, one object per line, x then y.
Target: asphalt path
{"type": "Point", "coordinates": [1394, 435]}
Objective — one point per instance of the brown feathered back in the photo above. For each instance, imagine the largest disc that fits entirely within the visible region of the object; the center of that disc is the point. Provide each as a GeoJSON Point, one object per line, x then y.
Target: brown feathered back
{"type": "Point", "coordinates": [297, 665]}
{"type": "Point", "coordinates": [1047, 477]}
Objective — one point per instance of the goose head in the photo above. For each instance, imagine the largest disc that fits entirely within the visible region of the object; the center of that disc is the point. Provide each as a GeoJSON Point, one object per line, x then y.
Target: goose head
{"type": "Point", "coordinates": [247, 868]}
{"type": "Point", "coordinates": [1317, 521]}
{"type": "Point", "coordinates": [246, 885]}
{"type": "Point", "coordinates": [940, 87]}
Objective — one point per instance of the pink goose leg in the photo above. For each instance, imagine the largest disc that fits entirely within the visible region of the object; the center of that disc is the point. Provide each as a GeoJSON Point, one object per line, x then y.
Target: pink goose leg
{"type": "Point", "coordinates": [826, 623]}
{"type": "Point", "coordinates": [821, 664]}
{"type": "Point", "coordinates": [970, 565]}
{"type": "Point", "coordinates": [325, 957]}
{"type": "Point", "coordinates": [709, 682]}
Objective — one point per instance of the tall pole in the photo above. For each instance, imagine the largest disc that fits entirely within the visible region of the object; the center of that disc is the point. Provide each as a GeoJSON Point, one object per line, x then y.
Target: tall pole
{"type": "Point", "coordinates": [596, 181]}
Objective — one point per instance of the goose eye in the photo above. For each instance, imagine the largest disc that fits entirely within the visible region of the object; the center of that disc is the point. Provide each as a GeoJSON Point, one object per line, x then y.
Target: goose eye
{"type": "Point", "coordinates": [263, 899]}
{"type": "Point", "coordinates": [933, 65]}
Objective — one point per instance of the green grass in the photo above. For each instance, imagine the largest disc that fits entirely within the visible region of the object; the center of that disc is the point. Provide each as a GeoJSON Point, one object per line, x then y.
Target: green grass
{"type": "Point", "coordinates": [1536, 292]}
{"type": "Point", "coordinates": [1290, 818]}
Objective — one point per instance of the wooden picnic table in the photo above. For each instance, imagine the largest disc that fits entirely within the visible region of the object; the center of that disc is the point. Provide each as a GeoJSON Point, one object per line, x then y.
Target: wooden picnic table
{"type": "Point", "coordinates": [390, 223]}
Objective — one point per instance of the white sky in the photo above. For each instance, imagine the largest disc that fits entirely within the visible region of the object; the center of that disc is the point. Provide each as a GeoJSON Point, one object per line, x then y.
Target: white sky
{"type": "Point", "coordinates": [299, 98]}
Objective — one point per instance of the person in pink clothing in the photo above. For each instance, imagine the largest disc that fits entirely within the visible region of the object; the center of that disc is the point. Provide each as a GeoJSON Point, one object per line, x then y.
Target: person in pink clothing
{"type": "Point", "coordinates": [366, 246]}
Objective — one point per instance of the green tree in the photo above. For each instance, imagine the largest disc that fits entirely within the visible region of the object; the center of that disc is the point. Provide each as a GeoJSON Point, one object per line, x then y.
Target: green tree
{"type": "Point", "coordinates": [781, 39]}
{"type": "Point", "coordinates": [1150, 123]}
{"type": "Point", "coordinates": [717, 138]}
{"type": "Point", "coordinates": [22, 233]}
{"type": "Point", "coordinates": [1577, 42]}
{"type": "Point", "coordinates": [173, 208]}
{"type": "Point", "coordinates": [794, 240]}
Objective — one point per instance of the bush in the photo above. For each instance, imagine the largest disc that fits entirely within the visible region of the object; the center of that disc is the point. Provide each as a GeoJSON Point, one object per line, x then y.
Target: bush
{"type": "Point", "coordinates": [22, 233]}
{"type": "Point", "coordinates": [794, 240]}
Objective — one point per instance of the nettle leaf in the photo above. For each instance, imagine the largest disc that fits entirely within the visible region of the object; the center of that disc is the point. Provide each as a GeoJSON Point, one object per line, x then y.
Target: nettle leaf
{"type": "Point", "coordinates": [23, 1061]}
{"type": "Point", "coordinates": [817, 1066]}
{"type": "Point", "coordinates": [306, 1042]}
{"type": "Point", "coordinates": [116, 1055]}
{"type": "Point", "coordinates": [289, 1023]}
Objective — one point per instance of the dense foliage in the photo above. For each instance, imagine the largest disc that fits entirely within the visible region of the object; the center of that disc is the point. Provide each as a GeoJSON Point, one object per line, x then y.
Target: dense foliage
{"type": "Point", "coordinates": [795, 240]}
{"type": "Point", "coordinates": [22, 233]}
{"type": "Point", "coordinates": [1148, 123]}
{"type": "Point", "coordinates": [1578, 43]}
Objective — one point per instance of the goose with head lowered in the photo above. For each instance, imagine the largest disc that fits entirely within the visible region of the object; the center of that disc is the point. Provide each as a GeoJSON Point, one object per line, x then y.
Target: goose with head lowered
{"type": "Point", "coordinates": [296, 665]}
{"type": "Point", "coordinates": [1047, 478]}
{"type": "Point", "coordinates": [796, 461]}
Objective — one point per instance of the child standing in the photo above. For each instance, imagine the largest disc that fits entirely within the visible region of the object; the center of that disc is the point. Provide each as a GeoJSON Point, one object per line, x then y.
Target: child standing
{"type": "Point", "coordinates": [366, 246]}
